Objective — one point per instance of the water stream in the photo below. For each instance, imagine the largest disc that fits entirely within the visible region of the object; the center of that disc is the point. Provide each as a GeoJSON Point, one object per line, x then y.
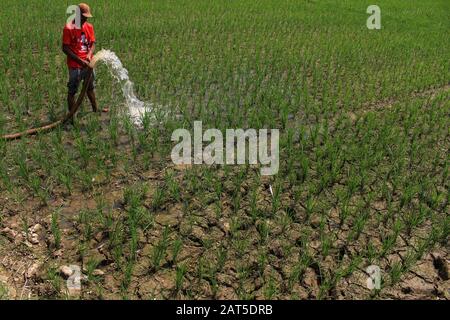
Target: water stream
{"type": "Point", "coordinates": [136, 109]}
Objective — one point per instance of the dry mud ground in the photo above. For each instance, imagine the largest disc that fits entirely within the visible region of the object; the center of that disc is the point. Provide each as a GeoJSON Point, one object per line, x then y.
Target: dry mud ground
{"type": "Point", "coordinates": [24, 263]}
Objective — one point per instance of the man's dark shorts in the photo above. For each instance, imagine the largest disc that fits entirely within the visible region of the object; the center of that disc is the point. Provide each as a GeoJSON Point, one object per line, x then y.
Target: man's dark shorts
{"type": "Point", "coordinates": [75, 77]}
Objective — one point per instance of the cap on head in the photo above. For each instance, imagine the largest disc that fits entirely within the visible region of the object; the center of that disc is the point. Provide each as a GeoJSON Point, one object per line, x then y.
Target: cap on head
{"type": "Point", "coordinates": [85, 10]}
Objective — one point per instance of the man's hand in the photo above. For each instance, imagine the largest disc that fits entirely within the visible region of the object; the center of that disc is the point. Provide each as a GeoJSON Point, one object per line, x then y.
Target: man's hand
{"type": "Point", "coordinates": [85, 63]}
{"type": "Point", "coordinates": [69, 52]}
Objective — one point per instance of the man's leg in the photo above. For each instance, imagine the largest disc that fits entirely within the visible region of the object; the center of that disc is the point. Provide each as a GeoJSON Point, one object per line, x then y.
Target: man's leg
{"type": "Point", "coordinates": [71, 104]}
{"type": "Point", "coordinates": [74, 81]}
{"type": "Point", "coordinates": [91, 96]}
{"type": "Point", "coordinates": [90, 91]}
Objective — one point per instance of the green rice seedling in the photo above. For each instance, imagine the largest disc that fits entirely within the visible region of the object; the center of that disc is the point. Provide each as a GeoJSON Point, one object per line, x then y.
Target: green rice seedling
{"type": "Point", "coordinates": [134, 195]}
{"type": "Point", "coordinates": [201, 269]}
{"type": "Point", "coordinates": [113, 130]}
{"type": "Point", "coordinates": [241, 246]}
{"type": "Point", "coordinates": [177, 246]}
{"type": "Point", "coordinates": [235, 226]}
{"type": "Point", "coordinates": [86, 178]}
{"type": "Point", "coordinates": [444, 230]}
{"type": "Point", "coordinates": [85, 225]}
{"type": "Point", "coordinates": [57, 144]}
{"type": "Point", "coordinates": [344, 213]}
{"type": "Point", "coordinates": [354, 181]}
{"type": "Point", "coordinates": [263, 230]}
{"type": "Point", "coordinates": [133, 239]}
{"type": "Point", "coordinates": [409, 260]}
{"type": "Point", "coordinates": [295, 275]}
{"type": "Point", "coordinates": [299, 268]}
{"type": "Point", "coordinates": [83, 150]}
{"type": "Point", "coordinates": [435, 198]}
{"type": "Point", "coordinates": [4, 292]}
{"type": "Point", "coordinates": [147, 220]}
{"type": "Point", "coordinates": [158, 198]}
{"type": "Point", "coordinates": [21, 160]}
{"type": "Point", "coordinates": [39, 157]}
{"type": "Point", "coordinates": [54, 279]}
{"type": "Point", "coordinates": [262, 261]}
{"type": "Point", "coordinates": [407, 196]}
{"type": "Point", "coordinates": [36, 185]}
{"type": "Point", "coordinates": [5, 178]}
{"type": "Point", "coordinates": [127, 275]}
{"type": "Point", "coordinates": [136, 216]}
{"type": "Point", "coordinates": [371, 253]}
{"type": "Point", "coordinates": [243, 273]}
{"type": "Point", "coordinates": [105, 152]}
{"type": "Point", "coordinates": [389, 241]}
{"type": "Point", "coordinates": [221, 258]}
{"type": "Point", "coordinates": [314, 134]}
{"type": "Point", "coordinates": [173, 187]}
{"type": "Point", "coordinates": [270, 288]}
{"type": "Point", "coordinates": [130, 130]}
{"type": "Point", "coordinates": [56, 231]}
{"type": "Point", "coordinates": [284, 220]}
{"type": "Point", "coordinates": [325, 288]}
{"type": "Point", "coordinates": [207, 243]}
{"type": "Point", "coordinates": [237, 199]}
{"type": "Point", "coordinates": [116, 243]}
{"type": "Point", "coordinates": [326, 243]}
{"type": "Point", "coordinates": [304, 164]}
{"type": "Point", "coordinates": [65, 176]}
{"type": "Point", "coordinates": [107, 220]}
{"type": "Point", "coordinates": [91, 265]}
{"type": "Point", "coordinates": [353, 266]}
{"type": "Point", "coordinates": [82, 247]}
{"type": "Point", "coordinates": [209, 178]}
{"type": "Point", "coordinates": [213, 281]}
{"type": "Point", "coordinates": [358, 225]}
{"type": "Point", "coordinates": [18, 113]}
{"type": "Point", "coordinates": [218, 189]}
{"type": "Point", "coordinates": [309, 207]}
{"type": "Point", "coordinates": [159, 251]}
{"type": "Point", "coordinates": [395, 272]}
{"type": "Point", "coordinates": [93, 126]}
{"type": "Point", "coordinates": [193, 184]}
{"type": "Point", "coordinates": [218, 209]}
{"type": "Point", "coordinates": [415, 218]}
{"type": "Point", "coordinates": [180, 276]}
{"type": "Point", "coordinates": [142, 135]}
{"type": "Point", "coordinates": [422, 246]}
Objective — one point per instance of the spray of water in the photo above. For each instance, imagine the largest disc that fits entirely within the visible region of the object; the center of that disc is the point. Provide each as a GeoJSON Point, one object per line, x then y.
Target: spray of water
{"type": "Point", "coordinates": [136, 108]}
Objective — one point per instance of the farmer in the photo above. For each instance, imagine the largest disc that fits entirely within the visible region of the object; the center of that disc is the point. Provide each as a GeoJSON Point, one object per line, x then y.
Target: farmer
{"type": "Point", "coordinates": [79, 46]}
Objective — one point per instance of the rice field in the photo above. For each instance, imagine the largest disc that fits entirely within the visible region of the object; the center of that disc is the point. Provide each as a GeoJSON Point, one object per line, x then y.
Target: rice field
{"type": "Point", "coordinates": [364, 143]}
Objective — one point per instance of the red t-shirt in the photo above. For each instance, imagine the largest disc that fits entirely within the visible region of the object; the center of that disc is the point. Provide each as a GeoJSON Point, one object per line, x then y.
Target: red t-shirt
{"type": "Point", "coordinates": [79, 40]}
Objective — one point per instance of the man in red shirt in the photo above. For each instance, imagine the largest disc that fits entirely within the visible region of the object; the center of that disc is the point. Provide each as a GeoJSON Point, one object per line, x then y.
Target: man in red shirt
{"type": "Point", "coordinates": [79, 46]}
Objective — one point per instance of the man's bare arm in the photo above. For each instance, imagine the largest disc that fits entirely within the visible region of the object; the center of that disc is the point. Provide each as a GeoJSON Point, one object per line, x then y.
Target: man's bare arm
{"type": "Point", "coordinates": [91, 52]}
{"type": "Point", "coordinates": [66, 49]}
